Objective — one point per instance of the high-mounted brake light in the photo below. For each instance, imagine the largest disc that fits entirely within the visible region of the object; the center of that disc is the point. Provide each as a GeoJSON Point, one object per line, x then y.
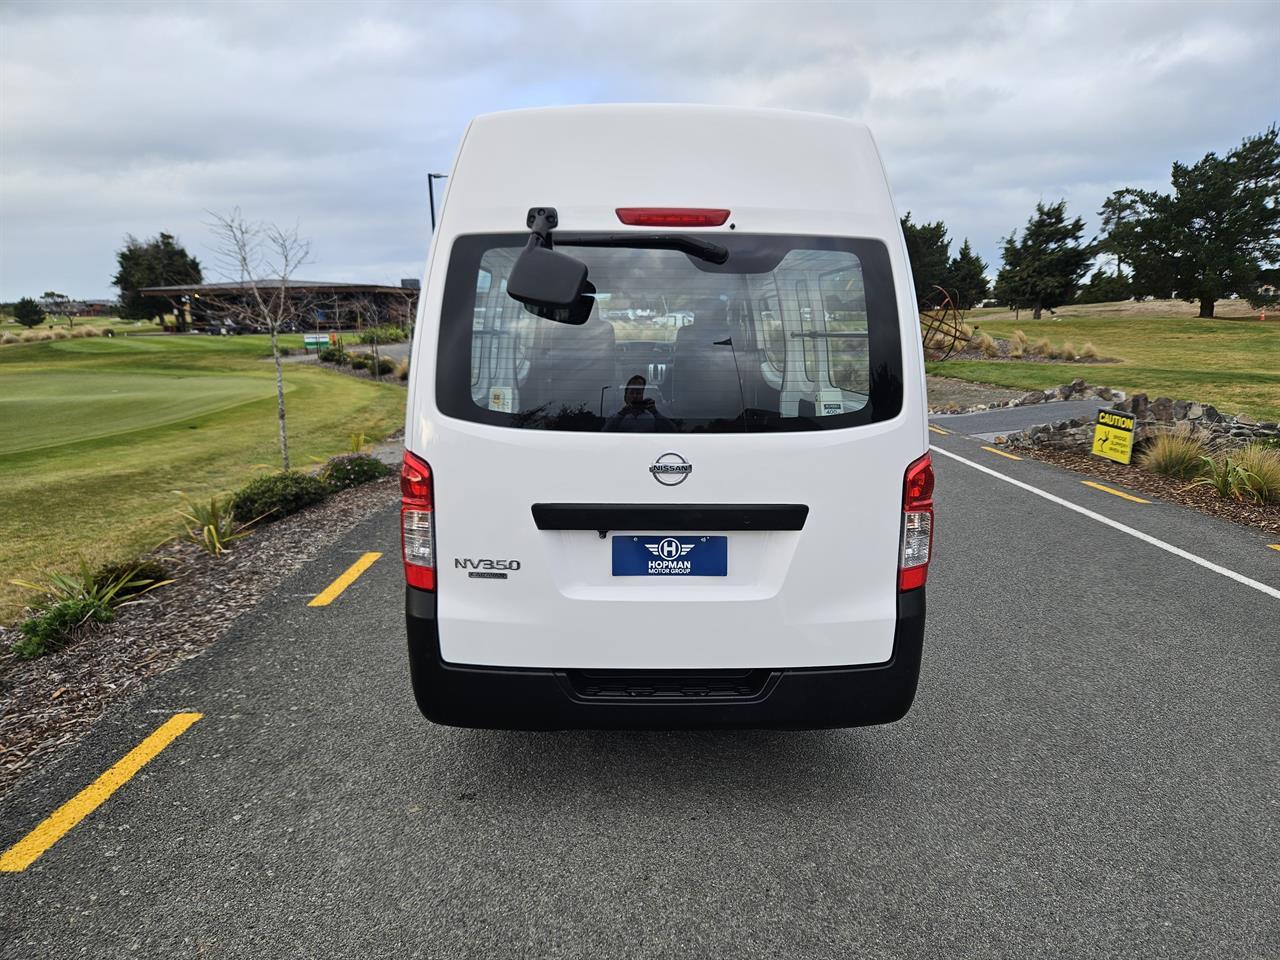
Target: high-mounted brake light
{"type": "Point", "coordinates": [917, 524]}
{"type": "Point", "coordinates": [672, 216]}
{"type": "Point", "coordinates": [417, 522]}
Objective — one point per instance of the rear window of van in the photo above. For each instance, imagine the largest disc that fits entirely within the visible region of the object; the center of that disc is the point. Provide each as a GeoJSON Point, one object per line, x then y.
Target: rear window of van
{"type": "Point", "coordinates": [790, 333]}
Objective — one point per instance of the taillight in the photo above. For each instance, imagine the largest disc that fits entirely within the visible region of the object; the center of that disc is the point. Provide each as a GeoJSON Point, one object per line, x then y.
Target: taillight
{"type": "Point", "coordinates": [417, 523]}
{"type": "Point", "coordinates": [917, 524]}
{"type": "Point", "coordinates": [672, 216]}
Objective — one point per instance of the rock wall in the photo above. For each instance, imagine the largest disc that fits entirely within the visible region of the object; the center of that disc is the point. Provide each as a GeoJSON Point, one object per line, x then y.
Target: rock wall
{"type": "Point", "coordinates": [1153, 417]}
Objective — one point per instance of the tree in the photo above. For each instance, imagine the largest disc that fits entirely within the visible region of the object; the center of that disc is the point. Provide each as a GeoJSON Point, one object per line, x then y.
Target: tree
{"type": "Point", "coordinates": [262, 259]}
{"type": "Point", "coordinates": [929, 253]}
{"type": "Point", "coordinates": [1104, 287]}
{"type": "Point", "coordinates": [1043, 269]}
{"type": "Point", "coordinates": [158, 262]}
{"type": "Point", "coordinates": [28, 313]}
{"type": "Point", "coordinates": [1212, 236]}
{"type": "Point", "coordinates": [58, 304]}
{"type": "Point", "coordinates": [966, 278]}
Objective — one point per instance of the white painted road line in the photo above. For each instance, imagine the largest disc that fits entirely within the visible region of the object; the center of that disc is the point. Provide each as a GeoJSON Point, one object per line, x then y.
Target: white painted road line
{"type": "Point", "coordinates": [1117, 525]}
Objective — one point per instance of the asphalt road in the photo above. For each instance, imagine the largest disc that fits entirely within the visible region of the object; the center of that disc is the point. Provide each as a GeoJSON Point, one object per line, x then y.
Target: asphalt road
{"type": "Point", "coordinates": [1009, 419]}
{"type": "Point", "coordinates": [1089, 770]}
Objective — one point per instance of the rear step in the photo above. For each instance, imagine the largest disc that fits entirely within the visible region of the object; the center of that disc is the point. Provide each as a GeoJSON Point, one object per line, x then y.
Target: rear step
{"type": "Point", "coordinates": [667, 685]}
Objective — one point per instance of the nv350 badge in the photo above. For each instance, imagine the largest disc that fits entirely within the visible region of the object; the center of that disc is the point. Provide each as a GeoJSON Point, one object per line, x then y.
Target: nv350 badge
{"type": "Point", "coordinates": [483, 569]}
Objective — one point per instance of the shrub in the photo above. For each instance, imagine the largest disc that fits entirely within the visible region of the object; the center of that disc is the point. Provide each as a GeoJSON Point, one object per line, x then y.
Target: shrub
{"type": "Point", "coordinates": [1178, 454]}
{"type": "Point", "coordinates": [402, 369]}
{"type": "Point", "coordinates": [1262, 460]}
{"type": "Point", "coordinates": [276, 495]}
{"type": "Point", "coordinates": [108, 586]}
{"type": "Point", "coordinates": [982, 342]}
{"type": "Point", "coordinates": [1067, 351]}
{"type": "Point", "coordinates": [353, 469]}
{"type": "Point", "coordinates": [211, 525]}
{"type": "Point", "coordinates": [380, 367]}
{"type": "Point", "coordinates": [10, 338]}
{"type": "Point", "coordinates": [332, 355]}
{"type": "Point", "coordinates": [138, 575]}
{"type": "Point", "coordinates": [1021, 339]}
{"type": "Point", "coordinates": [990, 347]}
{"type": "Point", "coordinates": [1089, 351]}
{"type": "Point", "coordinates": [52, 626]}
{"type": "Point", "coordinates": [1228, 479]}
{"type": "Point", "coordinates": [384, 334]}
{"type": "Point", "coordinates": [60, 333]}
{"type": "Point", "coordinates": [85, 331]}
{"type": "Point", "coordinates": [358, 361]}
{"type": "Point", "coordinates": [1042, 348]}
{"type": "Point", "coordinates": [70, 601]}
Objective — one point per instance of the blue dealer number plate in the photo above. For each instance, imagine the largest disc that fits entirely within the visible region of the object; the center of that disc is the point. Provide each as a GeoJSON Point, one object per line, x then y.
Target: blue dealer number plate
{"type": "Point", "coordinates": [657, 555]}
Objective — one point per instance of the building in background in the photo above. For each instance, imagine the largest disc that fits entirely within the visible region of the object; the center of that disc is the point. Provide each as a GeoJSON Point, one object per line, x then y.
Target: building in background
{"type": "Point", "coordinates": [310, 305]}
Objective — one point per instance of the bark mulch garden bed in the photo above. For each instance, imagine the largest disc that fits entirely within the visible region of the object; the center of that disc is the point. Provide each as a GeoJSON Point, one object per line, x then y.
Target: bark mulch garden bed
{"type": "Point", "coordinates": [1265, 517]}
{"type": "Point", "coordinates": [49, 703]}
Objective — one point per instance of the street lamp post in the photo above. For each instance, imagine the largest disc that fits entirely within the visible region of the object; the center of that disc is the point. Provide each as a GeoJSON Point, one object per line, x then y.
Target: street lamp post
{"type": "Point", "coordinates": [431, 193]}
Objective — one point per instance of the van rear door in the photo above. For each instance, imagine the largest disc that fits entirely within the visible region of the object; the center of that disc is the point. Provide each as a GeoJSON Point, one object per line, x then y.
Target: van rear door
{"type": "Point", "coordinates": [707, 473]}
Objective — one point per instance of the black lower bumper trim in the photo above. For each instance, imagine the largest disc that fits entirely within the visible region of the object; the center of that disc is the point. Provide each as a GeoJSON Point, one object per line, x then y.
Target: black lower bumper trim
{"type": "Point", "coordinates": [536, 699]}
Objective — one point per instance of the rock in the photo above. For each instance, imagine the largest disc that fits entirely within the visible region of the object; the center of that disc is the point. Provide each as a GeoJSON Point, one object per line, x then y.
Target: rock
{"type": "Point", "coordinates": [1161, 409]}
{"type": "Point", "coordinates": [1180, 409]}
{"type": "Point", "coordinates": [1118, 394]}
{"type": "Point", "coordinates": [1125, 406]}
{"type": "Point", "coordinates": [1078, 385]}
{"type": "Point", "coordinates": [1246, 421]}
{"type": "Point", "coordinates": [1103, 393]}
{"type": "Point", "coordinates": [1211, 414]}
{"type": "Point", "coordinates": [1035, 396]}
{"type": "Point", "coordinates": [1268, 427]}
{"type": "Point", "coordinates": [1064, 392]}
{"type": "Point", "coordinates": [1138, 406]}
{"type": "Point", "coordinates": [1051, 394]}
{"type": "Point", "coordinates": [1194, 411]}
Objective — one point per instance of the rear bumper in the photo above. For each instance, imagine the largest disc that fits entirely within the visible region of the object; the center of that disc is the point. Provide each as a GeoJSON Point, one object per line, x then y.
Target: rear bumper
{"type": "Point", "coordinates": [535, 699]}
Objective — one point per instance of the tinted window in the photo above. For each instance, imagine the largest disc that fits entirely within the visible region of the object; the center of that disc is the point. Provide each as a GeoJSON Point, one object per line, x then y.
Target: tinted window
{"type": "Point", "coordinates": [791, 333]}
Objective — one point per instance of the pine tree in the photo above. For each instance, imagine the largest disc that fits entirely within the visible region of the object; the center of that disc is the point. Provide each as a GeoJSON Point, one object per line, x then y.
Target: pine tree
{"type": "Point", "coordinates": [966, 278]}
{"type": "Point", "coordinates": [158, 262]}
{"type": "Point", "coordinates": [1043, 269]}
{"type": "Point", "coordinates": [1212, 236]}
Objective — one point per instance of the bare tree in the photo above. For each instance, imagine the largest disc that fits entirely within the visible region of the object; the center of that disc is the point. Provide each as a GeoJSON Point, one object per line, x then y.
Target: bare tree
{"type": "Point", "coordinates": [261, 258]}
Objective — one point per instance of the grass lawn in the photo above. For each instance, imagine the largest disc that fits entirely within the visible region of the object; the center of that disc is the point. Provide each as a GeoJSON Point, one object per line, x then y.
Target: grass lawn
{"type": "Point", "coordinates": [9, 325]}
{"type": "Point", "coordinates": [1164, 351]}
{"type": "Point", "coordinates": [97, 434]}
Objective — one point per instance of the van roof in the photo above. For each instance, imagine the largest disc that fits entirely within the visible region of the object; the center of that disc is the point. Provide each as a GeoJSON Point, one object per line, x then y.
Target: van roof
{"type": "Point", "coordinates": [778, 171]}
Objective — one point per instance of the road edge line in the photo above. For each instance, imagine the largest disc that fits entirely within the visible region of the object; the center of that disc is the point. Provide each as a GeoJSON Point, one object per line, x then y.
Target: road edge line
{"type": "Point", "coordinates": [1117, 525]}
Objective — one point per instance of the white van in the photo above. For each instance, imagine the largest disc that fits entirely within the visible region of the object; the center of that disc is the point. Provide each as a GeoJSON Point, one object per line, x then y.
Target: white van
{"type": "Point", "coordinates": [666, 454]}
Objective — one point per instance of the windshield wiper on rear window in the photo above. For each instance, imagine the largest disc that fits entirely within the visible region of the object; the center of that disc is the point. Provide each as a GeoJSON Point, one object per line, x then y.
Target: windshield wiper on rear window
{"type": "Point", "coordinates": [693, 246]}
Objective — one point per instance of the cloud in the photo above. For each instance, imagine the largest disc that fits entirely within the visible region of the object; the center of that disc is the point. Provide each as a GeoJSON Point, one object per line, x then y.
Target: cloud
{"type": "Point", "coordinates": [136, 118]}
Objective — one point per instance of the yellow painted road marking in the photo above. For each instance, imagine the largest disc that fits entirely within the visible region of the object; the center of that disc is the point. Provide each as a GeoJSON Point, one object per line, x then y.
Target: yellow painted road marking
{"type": "Point", "coordinates": [1117, 493]}
{"type": "Point", "coordinates": [1274, 546]}
{"type": "Point", "coordinates": [23, 853]}
{"type": "Point", "coordinates": [1001, 453]}
{"type": "Point", "coordinates": [348, 577]}
{"type": "Point", "coordinates": [938, 430]}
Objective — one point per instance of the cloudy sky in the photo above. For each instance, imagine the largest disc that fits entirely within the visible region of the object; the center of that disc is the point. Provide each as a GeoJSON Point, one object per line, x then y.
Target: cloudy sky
{"type": "Point", "coordinates": [140, 117]}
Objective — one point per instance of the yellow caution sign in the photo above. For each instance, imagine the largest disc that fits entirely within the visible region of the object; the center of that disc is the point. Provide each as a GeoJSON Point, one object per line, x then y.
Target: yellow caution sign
{"type": "Point", "coordinates": [1113, 436]}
